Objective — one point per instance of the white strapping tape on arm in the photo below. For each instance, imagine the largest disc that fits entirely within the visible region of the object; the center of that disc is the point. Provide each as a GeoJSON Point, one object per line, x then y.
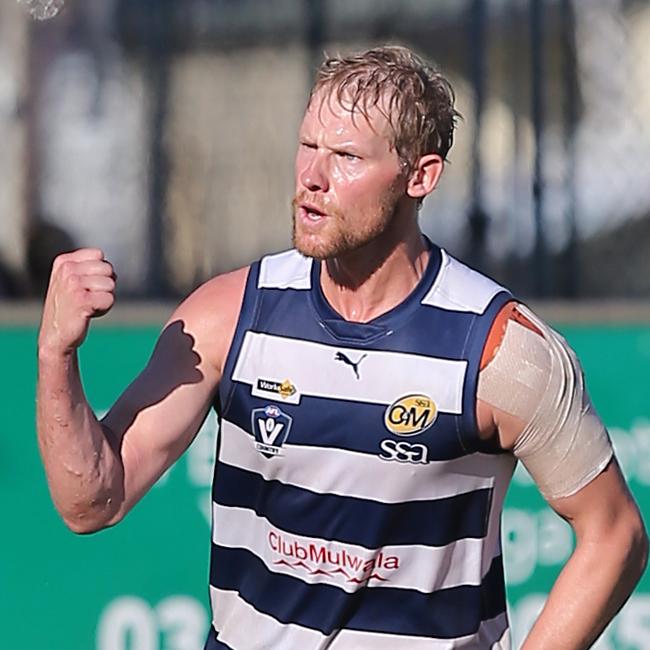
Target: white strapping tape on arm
{"type": "Point", "coordinates": [538, 379]}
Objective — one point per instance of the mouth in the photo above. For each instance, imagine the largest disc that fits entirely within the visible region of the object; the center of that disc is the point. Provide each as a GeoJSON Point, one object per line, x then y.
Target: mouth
{"type": "Point", "coordinates": [310, 213]}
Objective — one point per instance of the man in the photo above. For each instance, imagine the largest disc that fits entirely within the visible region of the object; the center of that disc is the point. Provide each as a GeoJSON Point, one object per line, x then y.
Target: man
{"type": "Point", "coordinates": [373, 394]}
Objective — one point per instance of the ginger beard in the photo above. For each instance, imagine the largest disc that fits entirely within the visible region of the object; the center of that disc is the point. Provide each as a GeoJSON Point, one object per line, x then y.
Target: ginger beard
{"type": "Point", "coordinates": [338, 232]}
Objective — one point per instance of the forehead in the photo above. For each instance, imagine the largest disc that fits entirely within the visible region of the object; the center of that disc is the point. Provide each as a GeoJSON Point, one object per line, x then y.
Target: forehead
{"type": "Point", "coordinates": [326, 111]}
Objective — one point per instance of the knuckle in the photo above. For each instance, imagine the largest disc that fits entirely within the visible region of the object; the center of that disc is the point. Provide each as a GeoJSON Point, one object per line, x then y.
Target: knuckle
{"type": "Point", "coordinates": [61, 259]}
{"type": "Point", "coordinates": [68, 269]}
{"type": "Point", "coordinates": [80, 297]}
{"type": "Point", "coordinates": [73, 280]}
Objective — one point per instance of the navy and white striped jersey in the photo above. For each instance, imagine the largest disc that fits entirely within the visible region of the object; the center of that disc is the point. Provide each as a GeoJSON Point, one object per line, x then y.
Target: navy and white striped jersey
{"type": "Point", "coordinates": [354, 505]}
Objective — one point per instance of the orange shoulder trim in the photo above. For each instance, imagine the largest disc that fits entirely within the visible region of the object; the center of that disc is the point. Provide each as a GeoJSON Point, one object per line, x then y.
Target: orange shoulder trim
{"type": "Point", "coordinates": [508, 312]}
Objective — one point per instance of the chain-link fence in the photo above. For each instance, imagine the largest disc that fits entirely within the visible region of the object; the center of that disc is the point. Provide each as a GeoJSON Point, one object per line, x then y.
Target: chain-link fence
{"type": "Point", "coordinates": [164, 132]}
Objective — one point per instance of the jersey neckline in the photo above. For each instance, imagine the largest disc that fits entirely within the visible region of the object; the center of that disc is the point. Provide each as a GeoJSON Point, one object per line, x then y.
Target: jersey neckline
{"type": "Point", "coordinates": [385, 323]}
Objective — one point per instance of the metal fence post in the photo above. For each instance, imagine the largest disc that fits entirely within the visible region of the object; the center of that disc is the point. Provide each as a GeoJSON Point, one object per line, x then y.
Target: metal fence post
{"type": "Point", "coordinates": [157, 53]}
{"type": "Point", "coordinates": [540, 261]}
{"type": "Point", "coordinates": [477, 219]}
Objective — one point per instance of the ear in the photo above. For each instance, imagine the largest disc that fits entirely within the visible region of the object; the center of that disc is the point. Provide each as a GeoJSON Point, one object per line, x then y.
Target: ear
{"type": "Point", "coordinates": [425, 175]}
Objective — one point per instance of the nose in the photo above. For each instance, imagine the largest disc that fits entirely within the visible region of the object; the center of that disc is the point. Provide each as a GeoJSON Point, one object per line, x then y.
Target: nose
{"type": "Point", "coordinates": [312, 174]}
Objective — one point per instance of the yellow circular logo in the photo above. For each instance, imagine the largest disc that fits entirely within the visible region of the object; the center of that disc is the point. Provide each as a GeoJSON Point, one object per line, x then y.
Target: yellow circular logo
{"type": "Point", "coordinates": [410, 415]}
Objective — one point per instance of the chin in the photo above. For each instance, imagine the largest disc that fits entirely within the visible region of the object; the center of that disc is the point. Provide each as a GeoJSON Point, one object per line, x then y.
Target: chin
{"type": "Point", "coordinates": [331, 242]}
{"type": "Point", "coordinates": [316, 250]}
{"type": "Point", "coordinates": [322, 251]}
{"type": "Point", "coordinates": [306, 244]}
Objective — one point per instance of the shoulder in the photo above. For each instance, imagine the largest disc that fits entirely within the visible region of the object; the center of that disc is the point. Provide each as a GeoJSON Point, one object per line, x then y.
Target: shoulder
{"type": "Point", "coordinates": [216, 297]}
{"type": "Point", "coordinates": [209, 314]}
{"type": "Point", "coordinates": [511, 312]}
{"type": "Point", "coordinates": [524, 360]}
{"type": "Point", "coordinates": [514, 368]}
{"type": "Point", "coordinates": [459, 287]}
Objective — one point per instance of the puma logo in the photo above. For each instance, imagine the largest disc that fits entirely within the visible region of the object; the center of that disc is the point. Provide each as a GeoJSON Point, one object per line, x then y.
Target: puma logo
{"type": "Point", "coordinates": [354, 364]}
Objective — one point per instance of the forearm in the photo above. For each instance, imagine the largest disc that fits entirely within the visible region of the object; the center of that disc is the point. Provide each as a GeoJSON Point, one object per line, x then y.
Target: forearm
{"type": "Point", "coordinates": [83, 468]}
{"type": "Point", "coordinates": [592, 587]}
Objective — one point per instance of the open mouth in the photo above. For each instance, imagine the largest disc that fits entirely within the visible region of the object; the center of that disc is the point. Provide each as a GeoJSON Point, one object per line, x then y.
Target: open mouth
{"type": "Point", "coordinates": [311, 212]}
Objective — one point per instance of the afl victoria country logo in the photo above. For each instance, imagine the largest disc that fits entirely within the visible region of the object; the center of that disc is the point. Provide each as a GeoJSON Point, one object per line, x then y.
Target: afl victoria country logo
{"type": "Point", "coordinates": [410, 415]}
{"type": "Point", "coordinates": [271, 427]}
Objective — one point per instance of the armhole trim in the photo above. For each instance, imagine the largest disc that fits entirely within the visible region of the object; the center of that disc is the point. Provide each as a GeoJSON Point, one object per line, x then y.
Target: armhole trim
{"type": "Point", "coordinates": [473, 351]}
{"type": "Point", "coordinates": [245, 321]}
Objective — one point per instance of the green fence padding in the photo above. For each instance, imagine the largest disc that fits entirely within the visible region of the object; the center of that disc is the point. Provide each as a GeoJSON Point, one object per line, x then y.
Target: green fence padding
{"type": "Point", "coordinates": [143, 584]}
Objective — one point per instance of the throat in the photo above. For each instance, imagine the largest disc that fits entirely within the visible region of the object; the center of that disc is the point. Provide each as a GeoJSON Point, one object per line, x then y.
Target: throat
{"type": "Point", "coordinates": [387, 286]}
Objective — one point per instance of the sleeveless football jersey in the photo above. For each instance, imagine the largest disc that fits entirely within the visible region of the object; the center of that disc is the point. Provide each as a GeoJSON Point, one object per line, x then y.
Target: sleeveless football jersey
{"type": "Point", "coordinates": [354, 505]}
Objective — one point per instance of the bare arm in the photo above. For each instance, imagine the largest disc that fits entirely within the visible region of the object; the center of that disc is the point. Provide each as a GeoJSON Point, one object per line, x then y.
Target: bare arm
{"type": "Point", "coordinates": [98, 470]}
{"type": "Point", "coordinates": [610, 557]}
{"type": "Point", "coordinates": [549, 423]}
{"type": "Point", "coordinates": [81, 464]}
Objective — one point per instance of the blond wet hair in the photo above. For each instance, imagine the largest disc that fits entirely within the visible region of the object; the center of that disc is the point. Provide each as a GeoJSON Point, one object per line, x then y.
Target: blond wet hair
{"type": "Point", "coordinates": [417, 100]}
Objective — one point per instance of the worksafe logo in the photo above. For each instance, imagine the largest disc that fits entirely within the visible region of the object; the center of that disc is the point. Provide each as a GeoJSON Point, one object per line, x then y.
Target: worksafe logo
{"type": "Point", "coordinates": [410, 415]}
{"type": "Point", "coordinates": [271, 427]}
{"type": "Point", "coordinates": [285, 389]}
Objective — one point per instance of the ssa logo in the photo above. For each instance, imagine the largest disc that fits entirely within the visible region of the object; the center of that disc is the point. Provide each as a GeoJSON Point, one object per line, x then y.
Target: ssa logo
{"type": "Point", "coordinates": [271, 427]}
{"type": "Point", "coordinates": [404, 452]}
{"type": "Point", "coordinates": [410, 415]}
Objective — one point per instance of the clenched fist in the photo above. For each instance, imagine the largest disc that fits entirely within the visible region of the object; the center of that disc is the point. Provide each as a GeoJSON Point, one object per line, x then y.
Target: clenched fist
{"type": "Point", "coordinates": [82, 286]}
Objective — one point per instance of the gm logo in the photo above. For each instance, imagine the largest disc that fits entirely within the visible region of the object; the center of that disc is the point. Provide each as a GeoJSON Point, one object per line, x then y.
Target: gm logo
{"type": "Point", "coordinates": [410, 415]}
{"type": "Point", "coordinates": [271, 427]}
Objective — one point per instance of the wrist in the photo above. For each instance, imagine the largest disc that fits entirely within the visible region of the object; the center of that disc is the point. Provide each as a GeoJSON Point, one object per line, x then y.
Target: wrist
{"type": "Point", "coordinates": [51, 352]}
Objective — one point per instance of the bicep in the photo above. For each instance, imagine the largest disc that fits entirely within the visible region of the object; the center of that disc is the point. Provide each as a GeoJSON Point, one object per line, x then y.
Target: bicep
{"type": "Point", "coordinates": [158, 415]}
{"type": "Point", "coordinates": [602, 507]}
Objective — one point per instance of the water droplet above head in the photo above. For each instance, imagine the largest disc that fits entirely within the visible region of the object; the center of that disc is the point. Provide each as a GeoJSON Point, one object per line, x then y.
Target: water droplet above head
{"type": "Point", "coordinates": [43, 9]}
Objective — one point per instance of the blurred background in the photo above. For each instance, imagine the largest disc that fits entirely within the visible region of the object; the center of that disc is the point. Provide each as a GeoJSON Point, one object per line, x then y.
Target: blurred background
{"type": "Point", "coordinates": [163, 131]}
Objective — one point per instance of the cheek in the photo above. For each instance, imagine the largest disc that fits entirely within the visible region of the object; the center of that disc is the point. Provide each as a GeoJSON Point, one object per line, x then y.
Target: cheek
{"type": "Point", "coordinates": [338, 177]}
{"type": "Point", "coordinates": [349, 172]}
{"type": "Point", "coordinates": [363, 187]}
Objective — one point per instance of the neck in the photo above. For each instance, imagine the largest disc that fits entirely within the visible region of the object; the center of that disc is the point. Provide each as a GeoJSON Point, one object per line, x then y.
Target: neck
{"type": "Point", "coordinates": [370, 281]}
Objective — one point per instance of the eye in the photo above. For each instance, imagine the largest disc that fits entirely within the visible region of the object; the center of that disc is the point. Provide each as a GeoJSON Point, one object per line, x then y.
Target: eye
{"type": "Point", "coordinates": [307, 144]}
{"type": "Point", "coordinates": [347, 155]}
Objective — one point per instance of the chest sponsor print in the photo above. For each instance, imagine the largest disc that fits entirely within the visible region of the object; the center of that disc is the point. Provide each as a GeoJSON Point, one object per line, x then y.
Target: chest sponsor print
{"type": "Point", "coordinates": [271, 428]}
{"type": "Point", "coordinates": [404, 452]}
{"type": "Point", "coordinates": [284, 391]}
{"type": "Point", "coordinates": [328, 559]}
{"type": "Point", "coordinates": [410, 415]}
